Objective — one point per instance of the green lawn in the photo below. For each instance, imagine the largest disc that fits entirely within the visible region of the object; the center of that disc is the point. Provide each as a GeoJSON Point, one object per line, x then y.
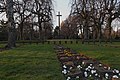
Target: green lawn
{"type": "Point", "coordinates": [2, 45]}
{"type": "Point", "coordinates": [39, 62]}
{"type": "Point", "coordinates": [30, 62]}
{"type": "Point", "coordinates": [106, 53]}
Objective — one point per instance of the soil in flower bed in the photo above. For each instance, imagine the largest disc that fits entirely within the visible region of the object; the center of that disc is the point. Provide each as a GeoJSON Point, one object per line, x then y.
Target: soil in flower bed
{"type": "Point", "coordinates": [80, 67]}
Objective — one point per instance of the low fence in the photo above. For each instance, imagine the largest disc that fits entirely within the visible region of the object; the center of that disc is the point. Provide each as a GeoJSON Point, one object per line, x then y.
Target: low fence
{"type": "Point", "coordinates": [57, 41]}
{"type": "Point", "coordinates": [44, 42]}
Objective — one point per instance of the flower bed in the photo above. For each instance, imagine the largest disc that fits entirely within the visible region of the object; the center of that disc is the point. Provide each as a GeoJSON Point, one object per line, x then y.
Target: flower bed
{"type": "Point", "coordinates": [78, 66]}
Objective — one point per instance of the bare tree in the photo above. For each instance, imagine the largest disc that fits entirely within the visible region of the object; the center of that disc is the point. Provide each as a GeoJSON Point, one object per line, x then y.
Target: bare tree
{"type": "Point", "coordinates": [43, 10]}
{"type": "Point", "coordinates": [112, 12]}
{"type": "Point", "coordinates": [21, 9]}
{"type": "Point", "coordinates": [82, 9]}
{"type": "Point", "coordinates": [69, 28]}
{"type": "Point", "coordinates": [95, 15]}
{"type": "Point", "coordinates": [34, 12]}
{"type": "Point", "coordinates": [11, 24]}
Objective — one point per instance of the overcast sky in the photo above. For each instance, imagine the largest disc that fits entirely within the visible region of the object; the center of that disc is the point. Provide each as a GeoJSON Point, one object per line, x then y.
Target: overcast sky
{"type": "Point", "coordinates": [64, 7]}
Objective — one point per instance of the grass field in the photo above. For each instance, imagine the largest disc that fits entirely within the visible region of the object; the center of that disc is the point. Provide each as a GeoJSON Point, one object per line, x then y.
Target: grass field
{"type": "Point", "coordinates": [2, 45]}
{"type": "Point", "coordinates": [30, 62]}
{"type": "Point", "coordinates": [106, 53]}
{"type": "Point", "coordinates": [39, 62]}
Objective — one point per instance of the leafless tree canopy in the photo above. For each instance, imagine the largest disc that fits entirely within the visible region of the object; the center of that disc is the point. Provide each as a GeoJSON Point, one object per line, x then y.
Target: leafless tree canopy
{"type": "Point", "coordinates": [28, 16]}
{"type": "Point", "coordinates": [95, 16]}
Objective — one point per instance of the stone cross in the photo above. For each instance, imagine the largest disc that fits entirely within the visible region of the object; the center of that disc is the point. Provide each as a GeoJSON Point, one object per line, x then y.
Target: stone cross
{"type": "Point", "coordinates": [59, 15]}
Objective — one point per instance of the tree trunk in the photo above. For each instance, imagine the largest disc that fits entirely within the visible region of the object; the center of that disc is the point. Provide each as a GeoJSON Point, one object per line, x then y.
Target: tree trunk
{"type": "Point", "coordinates": [40, 29]}
{"type": "Point", "coordinates": [109, 33]}
{"type": "Point", "coordinates": [85, 33]}
{"type": "Point", "coordinates": [21, 31]}
{"type": "Point", "coordinates": [94, 34]}
{"type": "Point", "coordinates": [11, 25]}
{"type": "Point", "coordinates": [99, 33]}
{"type": "Point", "coordinates": [31, 32]}
{"type": "Point", "coordinates": [40, 33]}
